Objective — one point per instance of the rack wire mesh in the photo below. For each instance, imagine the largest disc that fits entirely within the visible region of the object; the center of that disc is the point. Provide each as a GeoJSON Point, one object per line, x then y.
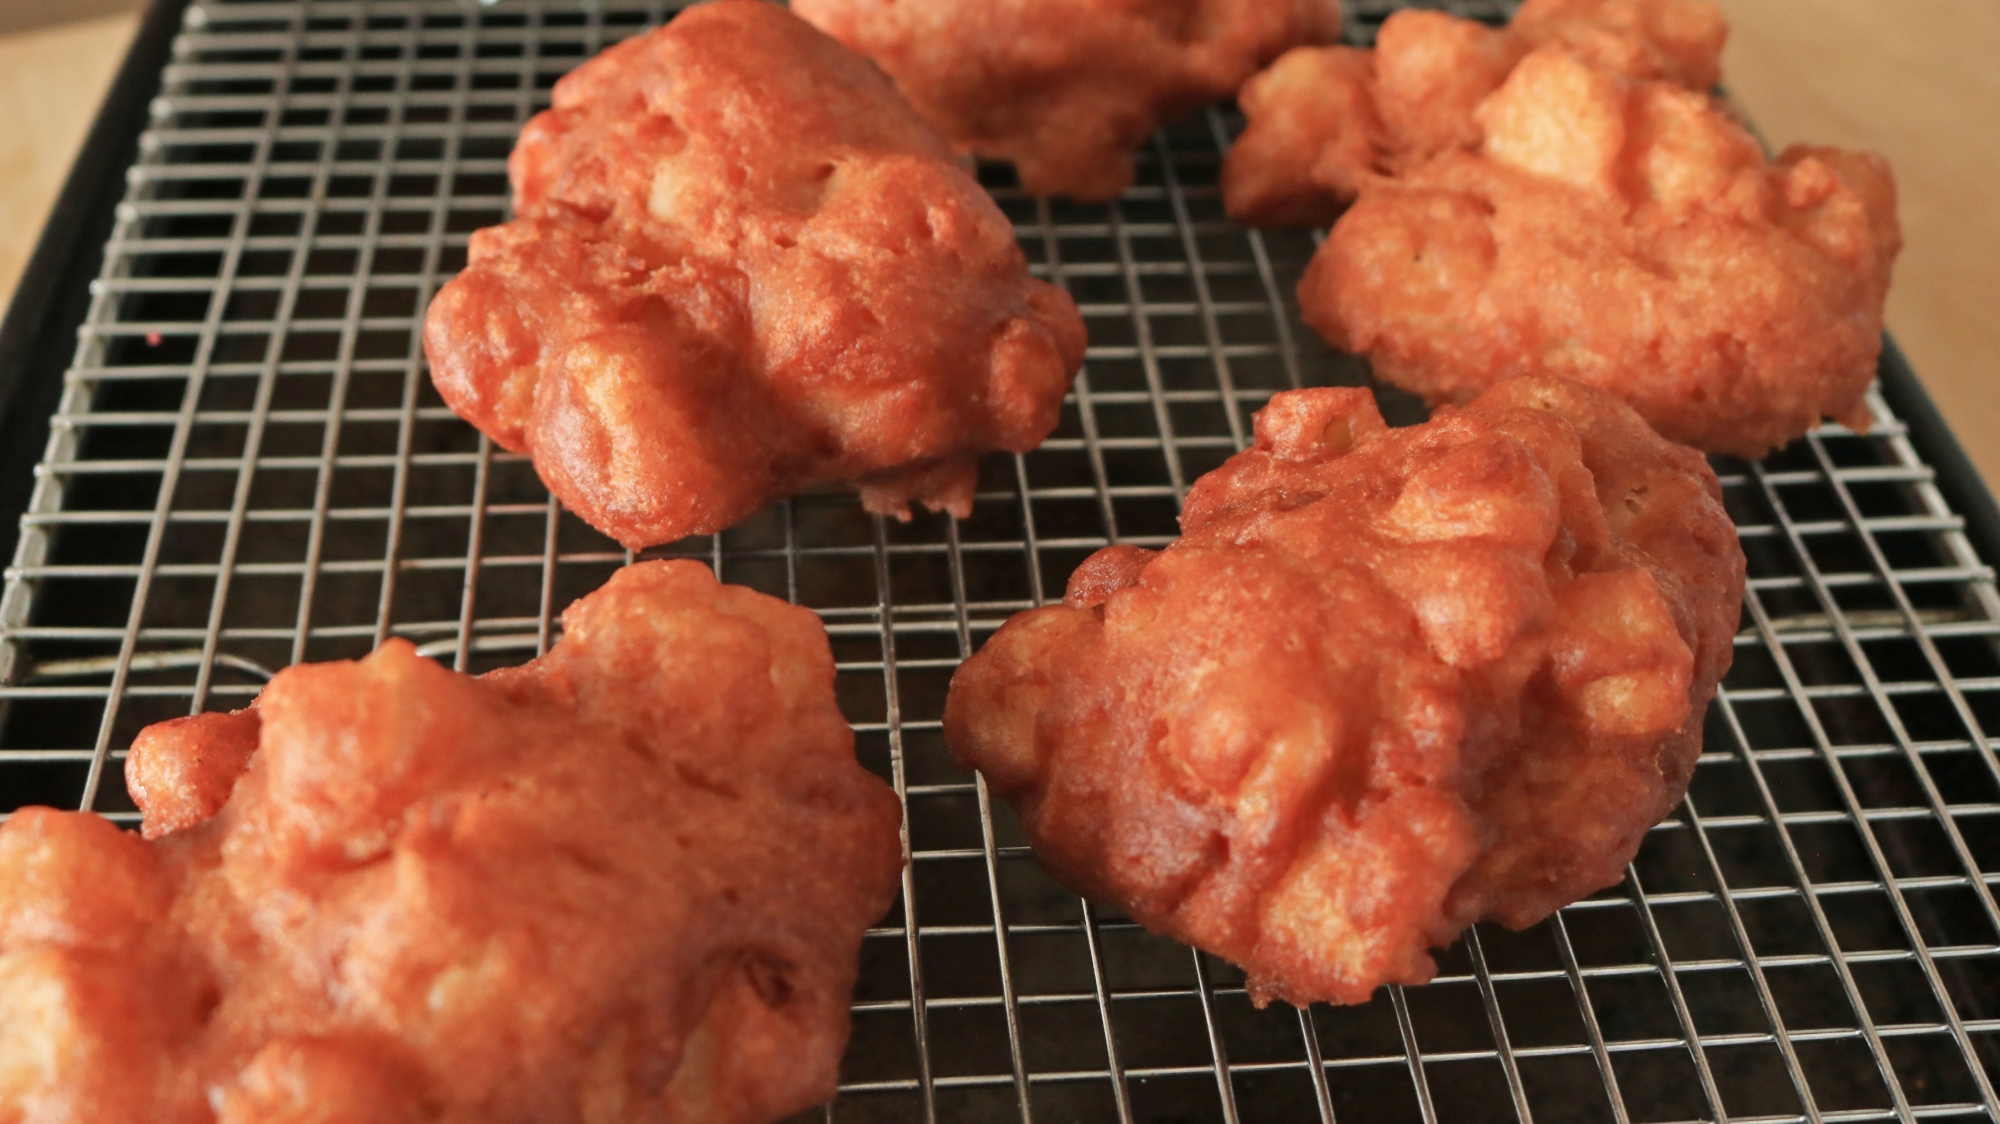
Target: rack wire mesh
{"type": "Point", "coordinates": [249, 468]}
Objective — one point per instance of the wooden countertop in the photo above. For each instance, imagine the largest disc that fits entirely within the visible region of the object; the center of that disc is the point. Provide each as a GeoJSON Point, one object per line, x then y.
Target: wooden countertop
{"type": "Point", "coordinates": [1912, 79]}
{"type": "Point", "coordinates": [51, 81]}
{"type": "Point", "coordinates": [1916, 81]}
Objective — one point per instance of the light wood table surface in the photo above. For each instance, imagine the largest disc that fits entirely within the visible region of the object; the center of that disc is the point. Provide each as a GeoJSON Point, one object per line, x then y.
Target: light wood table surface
{"type": "Point", "coordinates": [1915, 80]}
{"type": "Point", "coordinates": [51, 81]}
{"type": "Point", "coordinates": [1919, 82]}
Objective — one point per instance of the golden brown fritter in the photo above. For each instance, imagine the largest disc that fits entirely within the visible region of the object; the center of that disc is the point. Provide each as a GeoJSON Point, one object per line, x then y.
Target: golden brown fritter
{"type": "Point", "coordinates": [740, 264]}
{"type": "Point", "coordinates": [1645, 248]}
{"type": "Point", "coordinates": [1066, 89]}
{"type": "Point", "coordinates": [181, 771]}
{"type": "Point", "coordinates": [1564, 197]}
{"type": "Point", "coordinates": [1323, 122]}
{"type": "Point", "coordinates": [623, 883]}
{"type": "Point", "coordinates": [1387, 683]}
{"type": "Point", "coordinates": [1314, 138]}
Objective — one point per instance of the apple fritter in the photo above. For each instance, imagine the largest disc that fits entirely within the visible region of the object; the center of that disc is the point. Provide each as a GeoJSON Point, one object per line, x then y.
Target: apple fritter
{"type": "Point", "coordinates": [1067, 89]}
{"type": "Point", "coordinates": [625, 882]}
{"type": "Point", "coordinates": [1564, 196]}
{"type": "Point", "coordinates": [1322, 122]}
{"type": "Point", "coordinates": [740, 265]}
{"type": "Point", "coordinates": [1645, 247]}
{"type": "Point", "coordinates": [1387, 683]}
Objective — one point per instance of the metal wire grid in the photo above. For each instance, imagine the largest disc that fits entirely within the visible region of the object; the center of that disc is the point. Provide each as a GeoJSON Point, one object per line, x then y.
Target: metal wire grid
{"type": "Point", "coordinates": [249, 469]}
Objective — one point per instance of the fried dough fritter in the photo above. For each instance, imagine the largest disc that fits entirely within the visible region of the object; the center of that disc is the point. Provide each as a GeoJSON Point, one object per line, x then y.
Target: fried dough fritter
{"type": "Point", "coordinates": [623, 883]}
{"type": "Point", "coordinates": [1322, 122]}
{"type": "Point", "coordinates": [1646, 249]}
{"type": "Point", "coordinates": [1066, 89]}
{"type": "Point", "coordinates": [1389, 682]}
{"type": "Point", "coordinates": [1314, 138]}
{"type": "Point", "coordinates": [1564, 197]}
{"type": "Point", "coordinates": [740, 264]}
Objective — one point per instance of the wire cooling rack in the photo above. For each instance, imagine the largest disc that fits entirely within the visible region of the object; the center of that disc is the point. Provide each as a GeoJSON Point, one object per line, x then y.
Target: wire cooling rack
{"type": "Point", "coordinates": [249, 468]}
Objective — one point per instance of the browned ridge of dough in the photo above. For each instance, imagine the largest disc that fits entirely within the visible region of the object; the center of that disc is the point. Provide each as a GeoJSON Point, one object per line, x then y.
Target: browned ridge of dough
{"type": "Point", "coordinates": [1323, 122]}
{"type": "Point", "coordinates": [1387, 683]}
{"type": "Point", "coordinates": [1067, 89]}
{"type": "Point", "coordinates": [626, 883]}
{"type": "Point", "coordinates": [1564, 196]}
{"type": "Point", "coordinates": [741, 265]}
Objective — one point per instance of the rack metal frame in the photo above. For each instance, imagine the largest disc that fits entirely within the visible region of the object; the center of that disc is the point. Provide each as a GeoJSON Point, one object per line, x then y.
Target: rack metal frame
{"type": "Point", "coordinates": [248, 468]}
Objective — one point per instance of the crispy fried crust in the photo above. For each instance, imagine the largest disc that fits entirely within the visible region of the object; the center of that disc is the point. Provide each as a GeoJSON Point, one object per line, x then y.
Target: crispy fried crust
{"type": "Point", "coordinates": [1066, 89]}
{"type": "Point", "coordinates": [1387, 683]}
{"type": "Point", "coordinates": [1564, 197]}
{"type": "Point", "coordinates": [1322, 123]}
{"type": "Point", "coordinates": [625, 882]}
{"type": "Point", "coordinates": [741, 265]}
{"type": "Point", "coordinates": [1647, 250]}
{"type": "Point", "coordinates": [1314, 138]}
